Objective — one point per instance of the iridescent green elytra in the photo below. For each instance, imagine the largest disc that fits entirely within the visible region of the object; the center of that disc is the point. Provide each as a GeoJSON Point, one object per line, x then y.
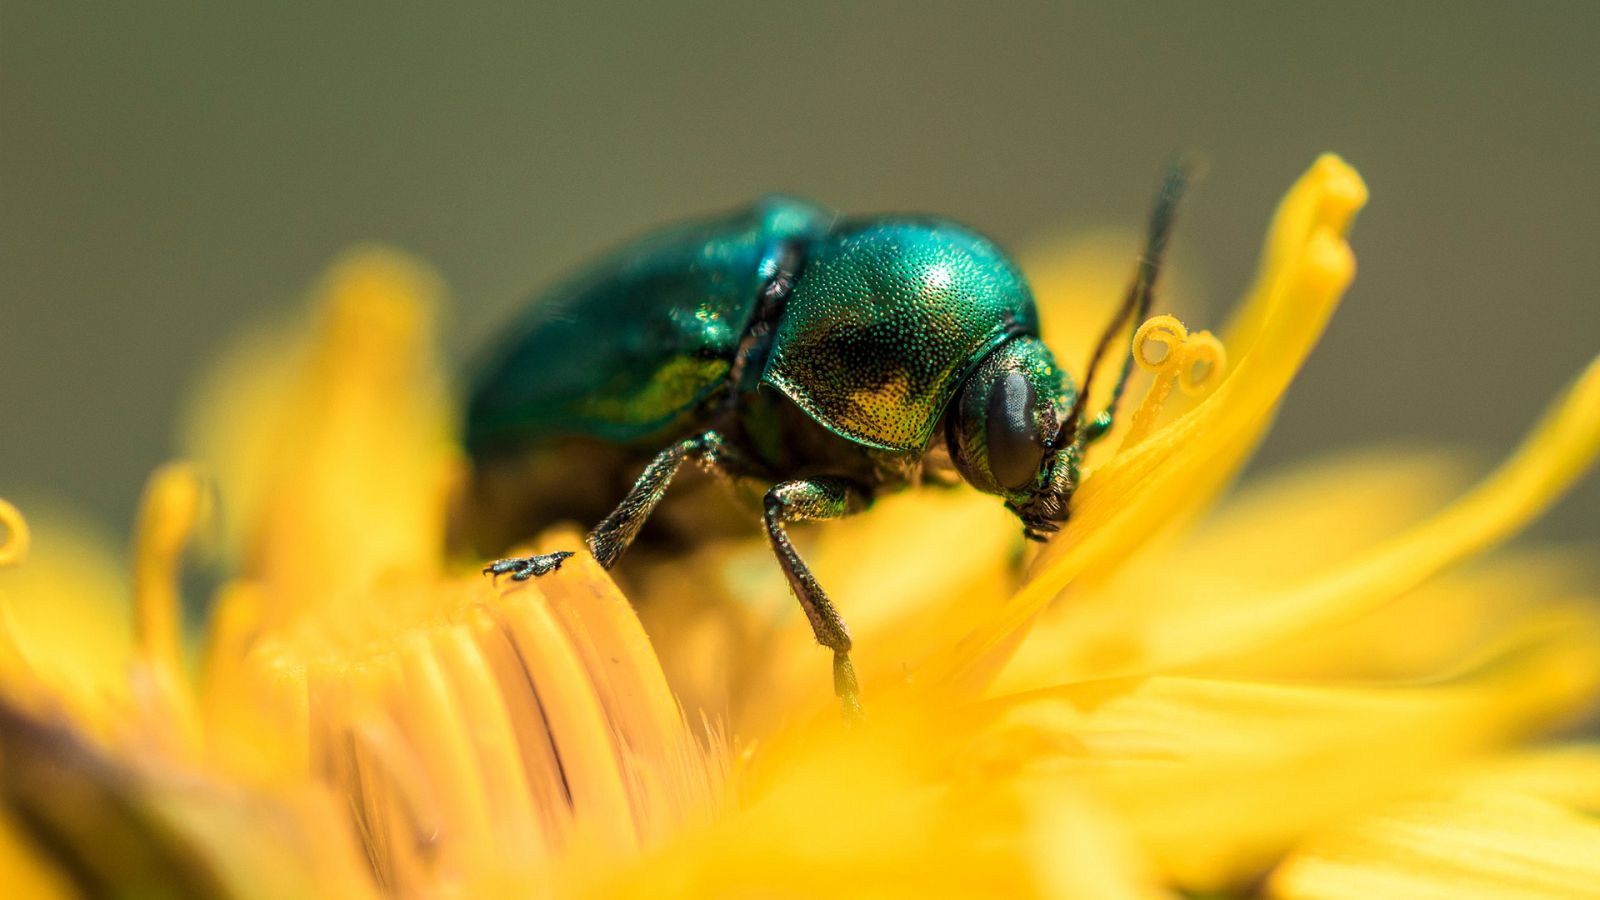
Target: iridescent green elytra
{"type": "Point", "coordinates": [831, 360]}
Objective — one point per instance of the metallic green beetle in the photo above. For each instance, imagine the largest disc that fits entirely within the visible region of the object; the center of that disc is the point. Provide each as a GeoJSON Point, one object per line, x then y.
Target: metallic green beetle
{"type": "Point", "coordinates": [829, 360]}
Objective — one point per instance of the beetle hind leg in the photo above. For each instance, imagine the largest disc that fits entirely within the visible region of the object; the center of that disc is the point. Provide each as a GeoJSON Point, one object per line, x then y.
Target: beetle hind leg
{"type": "Point", "coordinates": [807, 500]}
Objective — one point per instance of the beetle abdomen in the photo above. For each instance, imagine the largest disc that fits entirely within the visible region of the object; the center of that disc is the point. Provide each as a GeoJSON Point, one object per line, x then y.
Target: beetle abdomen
{"type": "Point", "coordinates": [628, 351]}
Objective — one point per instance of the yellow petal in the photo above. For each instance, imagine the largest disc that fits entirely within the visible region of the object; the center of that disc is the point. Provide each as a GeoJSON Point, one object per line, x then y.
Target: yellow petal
{"type": "Point", "coordinates": [919, 567]}
{"type": "Point", "coordinates": [332, 450]}
{"type": "Point", "coordinates": [1178, 469]}
{"type": "Point", "coordinates": [1427, 629]}
{"type": "Point", "coordinates": [1568, 775]}
{"type": "Point", "coordinates": [1503, 831]}
{"type": "Point", "coordinates": [860, 815]}
{"type": "Point", "coordinates": [1560, 449]}
{"type": "Point", "coordinates": [1254, 542]}
{"type": "Point", "coordinates": [1218, 778]}
{"type": "Point", "coordinates": [478, 732]}
{"type": "Point", "coordinates": [142, 830]}
{"type": "Point", "coordinates": [25, 871]}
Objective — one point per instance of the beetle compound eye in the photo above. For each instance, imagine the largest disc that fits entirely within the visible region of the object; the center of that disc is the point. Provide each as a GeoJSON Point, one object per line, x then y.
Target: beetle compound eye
{"type": "Point", "coordinates": [1015, 446]}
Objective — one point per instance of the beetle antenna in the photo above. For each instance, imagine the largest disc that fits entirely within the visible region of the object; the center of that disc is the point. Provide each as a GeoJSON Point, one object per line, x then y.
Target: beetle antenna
{"type": "Point", "coordinates": [1134, 309]}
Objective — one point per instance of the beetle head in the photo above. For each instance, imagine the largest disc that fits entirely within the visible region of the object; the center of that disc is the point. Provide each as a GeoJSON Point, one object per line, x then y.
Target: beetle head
{"type": "Point", "coordinates": [1003, 433]}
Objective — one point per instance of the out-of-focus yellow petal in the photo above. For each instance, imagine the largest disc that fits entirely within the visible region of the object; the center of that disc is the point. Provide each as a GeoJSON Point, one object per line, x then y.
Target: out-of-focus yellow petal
{"type": "Point", "coordinates": [292, 844]}
{"type": "Point", "coordinates": [1219, 777]}
{"type": "Point", "coordinates": [65, 623]}
{"type": "Point", "coordinates": [333, 453]}
{"type": "Point", "coordinates": [135, 828]}
{"type": "Point", "coordinates": [1566, 774]}
{"type": "Point", "coordinates": [1425, 629]}
{"type": "Point", "coordinates": [1523, 828]}
{"type": "Point", "coordinates": [862, 814]}
{"type": "Point", "coordinates": [1176, 470]}
{"type": "Point", "coordinates": [24, 870]}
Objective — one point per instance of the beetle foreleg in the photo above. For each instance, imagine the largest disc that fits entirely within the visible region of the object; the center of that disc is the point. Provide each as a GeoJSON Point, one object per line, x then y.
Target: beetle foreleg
{"type": "Point", "coordinates": [806, 500]}
{"type": "Point", "coordinates": [616, 531]}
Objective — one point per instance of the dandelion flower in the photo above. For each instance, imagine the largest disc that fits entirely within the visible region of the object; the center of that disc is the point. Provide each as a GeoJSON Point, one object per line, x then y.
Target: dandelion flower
{"type": "Point", "coordinates": [1321, 686]}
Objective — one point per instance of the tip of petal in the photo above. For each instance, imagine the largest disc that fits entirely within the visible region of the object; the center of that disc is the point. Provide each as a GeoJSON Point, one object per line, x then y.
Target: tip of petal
{"type": "Point", "coordinates": [380, 298]}
{"type": "Point", "coordinates": [1341, 191]}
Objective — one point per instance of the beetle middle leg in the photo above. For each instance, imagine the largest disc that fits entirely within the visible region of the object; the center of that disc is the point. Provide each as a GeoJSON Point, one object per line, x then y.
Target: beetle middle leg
{"type": "Point", "coordinates": [807, 500]}
{"type": "Point", "coordinates": [616, 531]}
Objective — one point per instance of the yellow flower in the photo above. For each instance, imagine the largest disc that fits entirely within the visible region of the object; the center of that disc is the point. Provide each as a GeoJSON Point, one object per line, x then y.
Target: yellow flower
{"type": "Point", "coordinates": [1313, 686]}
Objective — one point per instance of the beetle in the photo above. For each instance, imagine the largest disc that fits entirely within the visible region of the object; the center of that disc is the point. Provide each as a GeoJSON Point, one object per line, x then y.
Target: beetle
{"type": "Point", "coordinates": [829, 359]}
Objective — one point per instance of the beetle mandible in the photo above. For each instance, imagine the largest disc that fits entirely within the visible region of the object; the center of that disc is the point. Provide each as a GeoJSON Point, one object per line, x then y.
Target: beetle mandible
{"type": "Point", "coordinates": [827, 359]}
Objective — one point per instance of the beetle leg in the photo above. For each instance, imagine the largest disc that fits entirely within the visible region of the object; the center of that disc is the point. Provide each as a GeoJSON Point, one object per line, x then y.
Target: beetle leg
{"type": "Point", "coordinates": [806, 500]}
{"type": "Point", "coordinates": [616, 531]}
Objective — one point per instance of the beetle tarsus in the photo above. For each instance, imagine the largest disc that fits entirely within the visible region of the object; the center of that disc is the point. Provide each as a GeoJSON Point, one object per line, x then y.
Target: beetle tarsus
{"type": "Point", "coordinates": [522, 568]}
{"type": "Point", "coordinates": [847, 689]}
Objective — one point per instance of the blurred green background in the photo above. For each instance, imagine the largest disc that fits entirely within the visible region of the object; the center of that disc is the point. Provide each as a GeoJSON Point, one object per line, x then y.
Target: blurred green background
{"type": "Point", "coordinates": [171, 173]}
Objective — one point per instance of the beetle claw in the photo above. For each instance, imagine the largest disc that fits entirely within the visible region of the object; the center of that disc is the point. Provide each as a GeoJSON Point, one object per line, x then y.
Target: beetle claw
{"type": "Point", "coordinates": [522, 568]}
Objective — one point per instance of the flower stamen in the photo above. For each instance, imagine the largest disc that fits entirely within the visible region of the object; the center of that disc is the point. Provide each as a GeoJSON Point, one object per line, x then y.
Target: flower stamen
{"type": "Point", "coordinates": [175, 502]}
{"type": "Point", "coordinates": [14, 538]}
{"type": "Point", "coordinates": [1194, 362]}
{"type": "Point", "coordinates": [14, 535]}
